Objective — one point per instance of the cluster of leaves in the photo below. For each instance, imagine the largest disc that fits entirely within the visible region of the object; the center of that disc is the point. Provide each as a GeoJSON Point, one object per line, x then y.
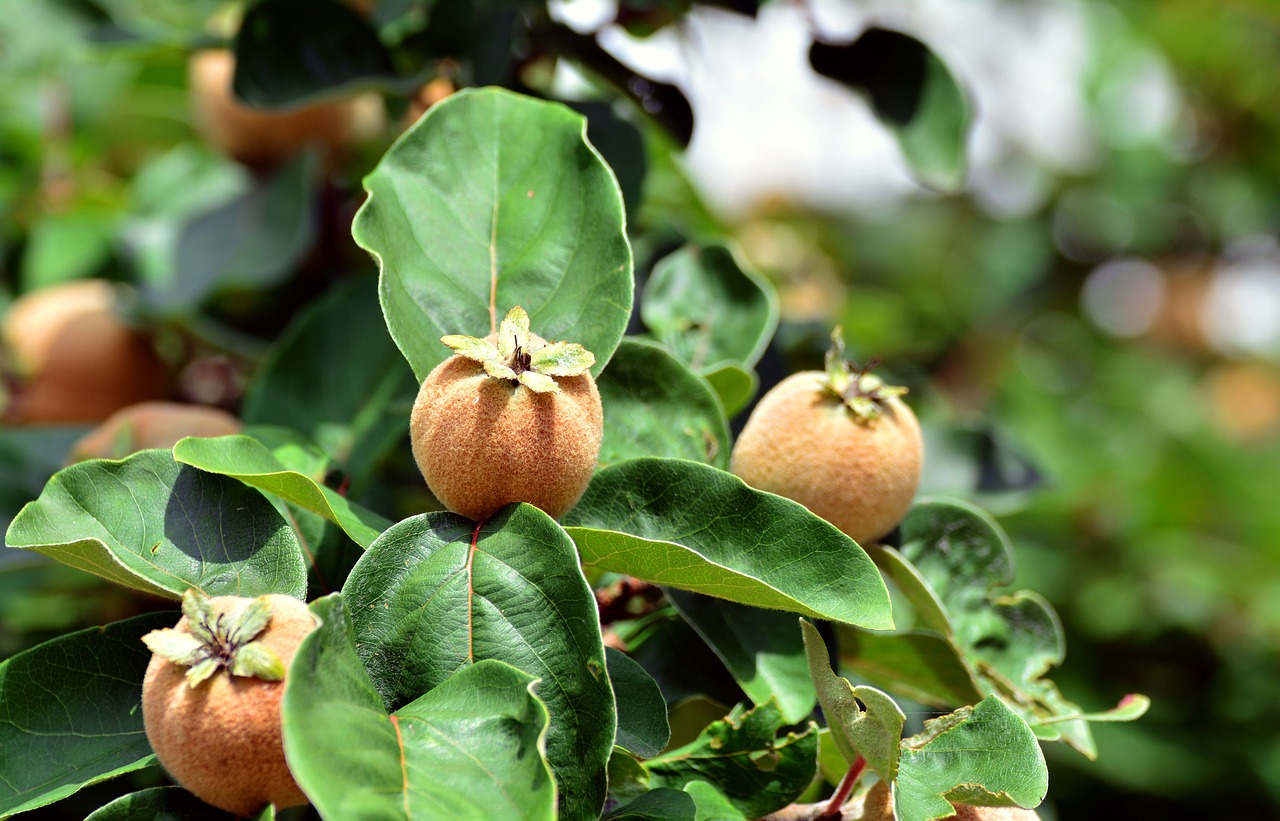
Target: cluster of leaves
{"type": "Point", "coordinates": [461, 667]}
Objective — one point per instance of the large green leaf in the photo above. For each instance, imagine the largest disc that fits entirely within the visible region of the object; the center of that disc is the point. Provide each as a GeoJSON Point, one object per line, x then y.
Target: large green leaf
{"type": "Point", "coordinates": [28, 457]}
{"type": "Point", "coordinates": [471, 748]}
{"type": "Point", "coordinates": [762, 649]}
{"type": "Point", "coordinates": [159, 804]}
{"type": "Point", "coordinates": [493, 200]}
{"type": "Point", "coordinates": [152, 524]}
{"type": "Point", "coordinates": [913, 93]}
{"type": "Point", "coordinates": [71, 712]}
{"type": "Point", "coordinates": [921, 666]}
{"type": "Point", "coordinates": [744, 757]}
{"type": "Point", "coordinates": [245, 458]}
{"type": "Point", "coordinates": [708, 307]}
{"type": "Point", "coordinates": [642, 712]}
{"type": "Point", "coordinates": [863, 721]}
{"type": "Point", "coordinates": [734, 384]}
{"type": "Point", "coordinates": [336, 376]}
{"type": "Point", "coordinates": [984, 755]}
{"type": "Point", "coordinates": [292, 51]}
{"type": "Point", "coordinates": [694, 527]}
{"type": "Point", "coordinates": [655, 406]}
{"type": "Point", "coordinates": [711, 803]}
{"type": "Point", "coordinates": [438, 591]}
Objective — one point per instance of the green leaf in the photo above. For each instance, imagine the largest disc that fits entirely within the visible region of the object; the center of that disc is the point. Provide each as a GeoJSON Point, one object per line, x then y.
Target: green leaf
{"type": "Point", "coordinates": [154, 525]}
{"type": "Point", "coordinates": [744, 757]}
{"type": "Point", "coordinates": [920, 666]}
{"type": "Point", "coordinates": [711, 803]}
{"type": "Point", "coordinates": [662, 804]}
{"type": "Point", "coordinates": [913, 94]}
{"type": "Point", "coordinates": [928, 610]}
{"type": "Point", "coordinates": [694, 527]}
{"type": "Point", "coordinates": [177, 646]}
{"type": "Point", "coordinates": [1010, 641]}
{"type": "Point", "coordinates": [734, 384]}
{"type": "Point", "coordinates": [493, 200]}
{"type": "Point", "coordinates": [438, 591]}
{"type": "Point", "coordinates": [872, 729]}
{"type": "Point", "coordinates": [1130, 708]}
{"type": "Point", "coordinates": [655, 406]}
{"type": "Point", "coordinates": [709, 308]}
{"type": "Point", "coordinates": [336, 376]}
{"type": "Point", "coordinates": [245, 458]}
{"type": "Point", "coordinates": [159, 804]}
{"type": "Point", "coordinates": [985, 755]}
{"type": "Point", "coordinates": [175, 21]}
{"type": "Point", "coordinates": [71, 712]}
{"type": "Point", "coordinates": [253, 241]}
{"type": "Point", "coordinates": [295, 51]}
{"type": "Point", "coordinates": [257, 660]}
{"type": "Point", "coordinates": [642, 712]}
{"type": "Point", "coordinates": [28, 457]}
{"type": "Point", "coordinates": [761, 648]}
{"type": "Point", "coordinates": [471, 748]}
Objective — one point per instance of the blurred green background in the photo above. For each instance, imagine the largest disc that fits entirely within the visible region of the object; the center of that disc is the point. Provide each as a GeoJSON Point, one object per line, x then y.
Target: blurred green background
{"type": "Point", "coordinates": [1090, 326]}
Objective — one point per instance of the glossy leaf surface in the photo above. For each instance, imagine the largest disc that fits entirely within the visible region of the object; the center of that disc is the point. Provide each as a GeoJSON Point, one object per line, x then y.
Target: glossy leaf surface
{"type": "Point", "coordinates": [155, 525]}
{"type": "Point", "coordinates": [493, 200]}
{"type": "Point", "coordinates": [693, 527]}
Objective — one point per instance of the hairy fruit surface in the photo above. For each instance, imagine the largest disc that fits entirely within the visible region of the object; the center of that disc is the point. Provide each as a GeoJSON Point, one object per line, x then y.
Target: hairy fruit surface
{"type": "Point", "coordinates": [852, 457]}
{"type": "Point", "coordinates": [214, 721]}
{"type": "Point", "coordinates": [519, 423]}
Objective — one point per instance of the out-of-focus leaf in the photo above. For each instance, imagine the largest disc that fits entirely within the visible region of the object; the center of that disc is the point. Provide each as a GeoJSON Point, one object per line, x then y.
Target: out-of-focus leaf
{"type": "Point", "coordinates": [290, 52]}
{"type": "Point", "coordinates": [471, 748]}
{"type": "Point", "coordinates": [655, 406]}
{"type": "Point", "coordinates": [694, 527]}
{"type": "Point", "coordinates": [253, 241]}
{"type": "Point", "coordinates": [152, 524]}
{"type": "Point", "coordinates": [245, 458]}
{"type": "Point", "coordinates": [170, 21]}
{"type": "Point", "coordinates": [160, 804]}
{"type": "Point", "coordinates": [28, 457]}
{"type": "Point", "coordinates": [493, 200]}
{"type": "Point", "coordinates": [984, 755]}
{"type": "Point", "coordinates": [709, 308]}
{"type": "Point", "coordinates": [336, 376]}
{"type": "Point", "coordinates": [71, 712]}
{"type": "Point", "coordinates": [913, 93]}
{"type": "Point", "coordinates": [642, 712]}
{"type": "Point", "coordinates": [438, 591]}
{"type": "Point", "coordinates": [762, 649]}
{"type": "Point", "coordinates": [863, 721]}
{"type": "Point", "coordinates": [66, 246]}
{"type": "Point", "coordinates": [735, 385]}
{"type": "Point", "coordinates": [744, 757]}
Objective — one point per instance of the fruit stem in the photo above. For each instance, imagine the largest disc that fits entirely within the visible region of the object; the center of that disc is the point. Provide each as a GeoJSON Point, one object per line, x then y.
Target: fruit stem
{"type": "Point", "coordinates": [833, 812]}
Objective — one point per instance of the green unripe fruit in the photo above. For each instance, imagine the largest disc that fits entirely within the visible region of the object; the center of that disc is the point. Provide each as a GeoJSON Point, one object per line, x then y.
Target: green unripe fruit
{"type": "Point", "coordinates": [522, 424]}
{"type": "Point", "coordinates": [215, 727]}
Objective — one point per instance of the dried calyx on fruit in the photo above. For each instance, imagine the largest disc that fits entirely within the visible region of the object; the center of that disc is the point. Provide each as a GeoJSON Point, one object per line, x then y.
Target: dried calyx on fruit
{"type": "Point", "coordinates": [522, 356]}
{"type": "Point", "coordinates": [842, 443]}
{"type": "Point", "coordinates": [861, 391]}
{"type": "Point", "coordinates": [508, 418]}
{"type": "Point", "coordinates": [211, 698]}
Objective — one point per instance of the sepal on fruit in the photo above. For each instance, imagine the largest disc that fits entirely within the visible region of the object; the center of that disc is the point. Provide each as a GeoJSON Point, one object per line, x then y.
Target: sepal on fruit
{"type": "Point", "coordinates": [861, 391]}
{"type": "Point", "coordinates": [522, 356]}
{"type": "Point", "coordinates": [218, 641]}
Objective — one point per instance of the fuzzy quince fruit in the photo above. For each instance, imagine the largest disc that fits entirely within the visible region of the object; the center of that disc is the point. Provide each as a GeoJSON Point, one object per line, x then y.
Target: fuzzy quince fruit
{"type": "Point", "coordinates": [511, 418]}
{"type": "Point", "coordinates": [841, 443]}
{"type": "Point", "coordinates": [211, 698]}
{"type": "Point", "coordinates": [151, 425]}
{"type": "Point", "coordinates": [74, 358]}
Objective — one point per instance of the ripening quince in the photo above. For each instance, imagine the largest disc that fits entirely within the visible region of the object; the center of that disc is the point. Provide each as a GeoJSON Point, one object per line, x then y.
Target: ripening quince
{"type": "Point", "coordinates": [211, 698]}
{"type": "Point", "coordinates": [509, 418]}
{"type": "Point", "coordinates": [841, 443]}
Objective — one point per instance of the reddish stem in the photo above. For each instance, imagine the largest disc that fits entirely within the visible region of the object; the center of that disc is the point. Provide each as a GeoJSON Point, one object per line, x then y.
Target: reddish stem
{"type": "Point", "coordinates": [842, 792]}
